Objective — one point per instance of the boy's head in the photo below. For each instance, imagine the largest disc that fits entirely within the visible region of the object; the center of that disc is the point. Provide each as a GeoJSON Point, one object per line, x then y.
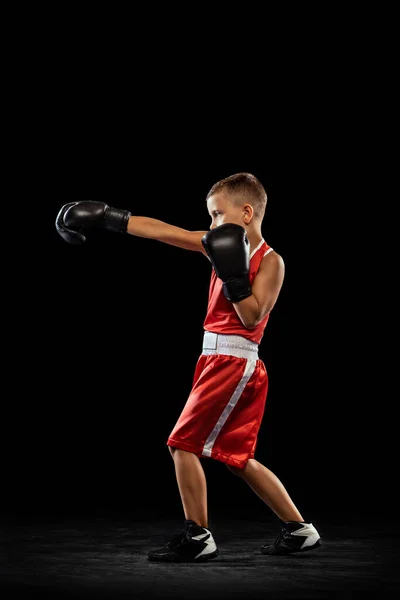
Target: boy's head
{"type": "Point", "coordinates": [239, 198]}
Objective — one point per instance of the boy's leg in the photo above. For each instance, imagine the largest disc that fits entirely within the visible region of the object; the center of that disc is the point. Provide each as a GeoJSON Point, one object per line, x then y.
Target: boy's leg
{"type": "Point", "coordinates": [269, 488]}
{"type": "Point", "coordinates": [192, 485]}
{"type": "Point", "coordinates": [196, 542]}
{"type": "Point", "coordinates": [296, 535]}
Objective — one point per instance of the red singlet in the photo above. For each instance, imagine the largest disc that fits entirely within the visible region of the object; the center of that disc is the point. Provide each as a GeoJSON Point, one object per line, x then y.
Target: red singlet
{"type": "Point", "coordinates": [223, 412]}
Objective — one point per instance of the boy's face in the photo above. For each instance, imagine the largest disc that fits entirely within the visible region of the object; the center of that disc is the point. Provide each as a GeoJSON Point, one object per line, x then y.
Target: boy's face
{"type": "Point", "coordinates": [222, 210]}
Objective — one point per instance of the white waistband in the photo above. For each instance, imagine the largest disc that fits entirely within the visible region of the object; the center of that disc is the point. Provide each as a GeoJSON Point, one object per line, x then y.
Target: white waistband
{"type": "Point", "coordinates": [234, 345]}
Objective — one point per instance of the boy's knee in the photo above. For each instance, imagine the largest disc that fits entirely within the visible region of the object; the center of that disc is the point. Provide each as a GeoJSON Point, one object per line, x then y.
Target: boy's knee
{"type": "Point", "coordinates": [235, 470]}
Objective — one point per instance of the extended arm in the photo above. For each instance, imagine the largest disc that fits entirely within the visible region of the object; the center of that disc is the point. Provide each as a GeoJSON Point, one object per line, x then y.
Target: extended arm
{"type": "Point", "coordinates": [154, 229]}
{"type": "Point", "coordinates": [76, 218]}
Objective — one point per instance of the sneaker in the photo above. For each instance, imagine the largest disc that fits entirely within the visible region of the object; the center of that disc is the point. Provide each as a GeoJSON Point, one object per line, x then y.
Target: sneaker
{"type": "Point", "coordinates": [195, 544]}
{"type": "Point", "coordinates": [294, 537]}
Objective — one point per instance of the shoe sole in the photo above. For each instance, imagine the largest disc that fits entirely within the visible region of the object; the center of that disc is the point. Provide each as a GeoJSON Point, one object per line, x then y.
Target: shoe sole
{"type": "Point", "coordinates": [286, 552]}
{"type": "Point", "coordinates": [176, 559]}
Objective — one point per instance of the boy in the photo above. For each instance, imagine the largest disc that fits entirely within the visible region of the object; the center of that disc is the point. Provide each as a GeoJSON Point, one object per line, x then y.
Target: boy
{"type": "Point", "coordinates": [223, 412]}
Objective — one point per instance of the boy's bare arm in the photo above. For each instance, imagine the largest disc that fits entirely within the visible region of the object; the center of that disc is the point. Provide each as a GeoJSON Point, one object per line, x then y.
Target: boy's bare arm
{"type": "Point", "coordinates": [265, 291]}
{"type": "Point", "coordinates": [75, 219]}
{"type": "Point", "coordinates": [154, 229]}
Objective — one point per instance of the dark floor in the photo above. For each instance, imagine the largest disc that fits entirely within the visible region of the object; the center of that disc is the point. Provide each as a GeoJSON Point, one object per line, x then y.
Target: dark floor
{"type": "Point", "coordinates": [106, 558]}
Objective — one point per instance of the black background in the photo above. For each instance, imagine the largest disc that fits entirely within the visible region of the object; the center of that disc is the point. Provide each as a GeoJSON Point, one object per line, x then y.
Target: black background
{"type": "Point", "coordinates": [113, 330]}
{"type": "Point", "coordinates": [103, 338]}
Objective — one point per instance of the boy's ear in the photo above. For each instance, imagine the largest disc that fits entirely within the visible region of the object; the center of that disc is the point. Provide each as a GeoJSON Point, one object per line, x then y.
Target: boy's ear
{"type": "Point", "coordinates": [248, 213]}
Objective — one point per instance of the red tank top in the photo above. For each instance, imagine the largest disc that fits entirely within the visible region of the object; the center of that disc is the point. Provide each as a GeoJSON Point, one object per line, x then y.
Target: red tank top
{"type": "Point", "coordinates": [221, 316]}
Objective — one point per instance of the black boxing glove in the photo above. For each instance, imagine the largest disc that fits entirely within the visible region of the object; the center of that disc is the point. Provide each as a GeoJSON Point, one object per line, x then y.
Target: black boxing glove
{"type": "Point", "coordinates": [228, 248]}
{"type": "Point", "coordinates": [76, 217]}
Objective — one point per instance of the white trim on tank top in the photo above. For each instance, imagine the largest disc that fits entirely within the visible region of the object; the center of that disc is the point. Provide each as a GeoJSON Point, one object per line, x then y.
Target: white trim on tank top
{"type": "Point", "coordinates": [257, 248]}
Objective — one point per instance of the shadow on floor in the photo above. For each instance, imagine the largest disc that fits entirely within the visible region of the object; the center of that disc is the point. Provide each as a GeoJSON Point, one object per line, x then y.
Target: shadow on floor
{"type": "Point", "coordinates": [106, 558]}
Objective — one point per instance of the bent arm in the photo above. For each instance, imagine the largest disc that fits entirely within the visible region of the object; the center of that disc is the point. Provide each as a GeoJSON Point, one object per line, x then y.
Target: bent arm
{"type": "Point", "coordinates": [154, 229]}
{"type": "Point", "coordinates": [264, 291]}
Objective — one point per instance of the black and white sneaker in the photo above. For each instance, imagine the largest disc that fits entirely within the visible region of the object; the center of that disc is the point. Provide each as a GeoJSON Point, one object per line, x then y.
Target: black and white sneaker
{"type": "Point", "coordinates": [294, 537]}
{"type": "Point", "coordinates": [195, 544]}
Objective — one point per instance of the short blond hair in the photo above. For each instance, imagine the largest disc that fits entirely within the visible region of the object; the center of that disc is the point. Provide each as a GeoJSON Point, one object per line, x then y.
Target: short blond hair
{"type": "Point", "coordinates": [241, 188]}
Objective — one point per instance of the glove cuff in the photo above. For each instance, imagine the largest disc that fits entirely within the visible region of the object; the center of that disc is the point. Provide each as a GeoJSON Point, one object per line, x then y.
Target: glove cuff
{"type": "Point", "coordinates": [237, 289]}
{"type": "Point", "coordinates": [116, 219]}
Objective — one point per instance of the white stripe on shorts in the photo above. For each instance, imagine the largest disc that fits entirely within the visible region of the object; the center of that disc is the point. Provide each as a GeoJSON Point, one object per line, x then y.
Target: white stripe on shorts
{"type": "Point", "coordinates": [248, 372]}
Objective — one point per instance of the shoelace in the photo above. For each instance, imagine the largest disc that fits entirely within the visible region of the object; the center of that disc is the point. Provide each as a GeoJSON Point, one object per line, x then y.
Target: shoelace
{"type": "Point", "coordinates": [179, 538]}
{"type": "Point", "coordinates": [283, 536]}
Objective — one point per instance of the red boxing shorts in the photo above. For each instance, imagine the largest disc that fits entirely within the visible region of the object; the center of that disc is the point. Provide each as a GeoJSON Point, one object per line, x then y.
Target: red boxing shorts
{"type": "Point", "coordinates": [225, 407]}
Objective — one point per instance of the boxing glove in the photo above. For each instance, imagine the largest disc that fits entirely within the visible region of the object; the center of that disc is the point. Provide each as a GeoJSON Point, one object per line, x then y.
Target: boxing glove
{"type": "Point", "coordinates": [228, 248]}
{"type": "Point", "coordinates": [76, 217]}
